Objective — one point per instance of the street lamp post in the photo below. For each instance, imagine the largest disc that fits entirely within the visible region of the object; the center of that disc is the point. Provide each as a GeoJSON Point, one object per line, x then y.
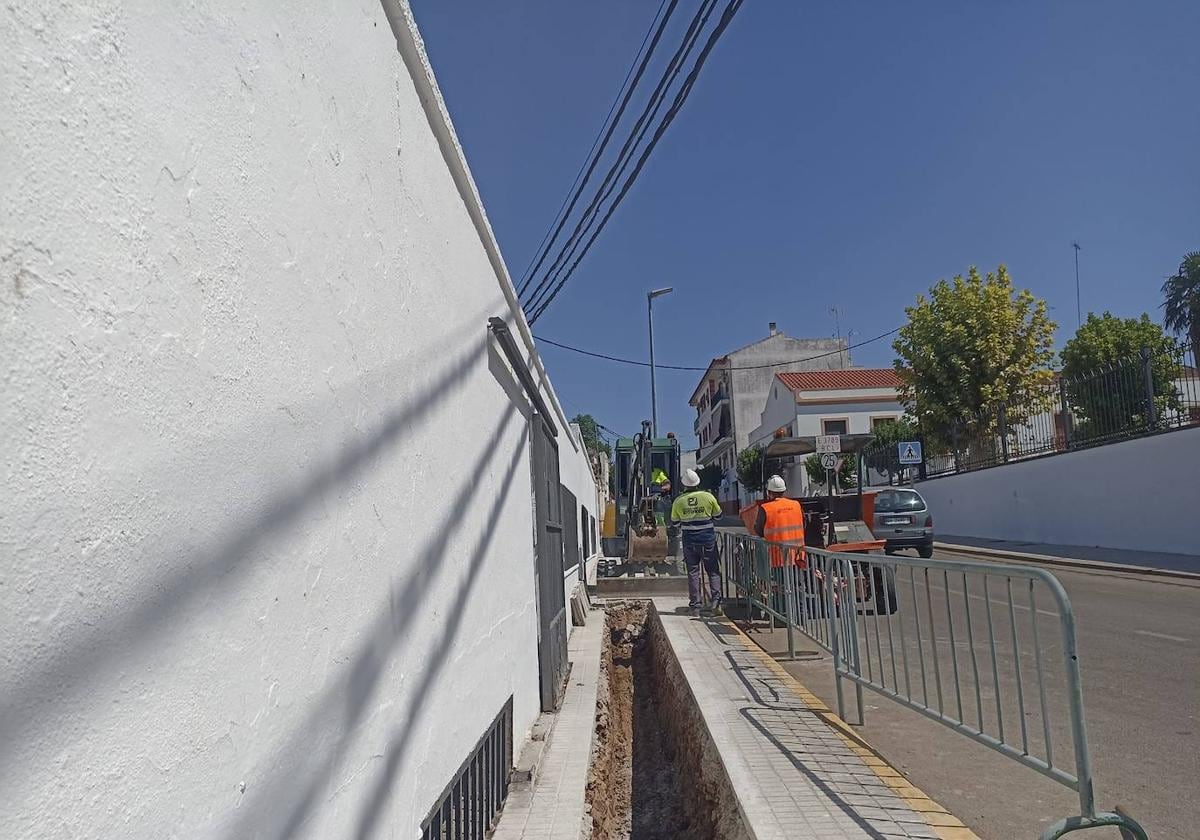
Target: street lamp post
{"type": "Point", "coordinates": [650, 296]}
{"type": "Point", "coordinates": [1078, 308]}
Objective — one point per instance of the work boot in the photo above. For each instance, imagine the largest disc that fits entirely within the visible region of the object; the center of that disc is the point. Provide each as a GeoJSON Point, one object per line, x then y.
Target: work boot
{"type": "Point", "coordinates": [695, 612]}
{"type": "Point", "coordinates": [717, 609]}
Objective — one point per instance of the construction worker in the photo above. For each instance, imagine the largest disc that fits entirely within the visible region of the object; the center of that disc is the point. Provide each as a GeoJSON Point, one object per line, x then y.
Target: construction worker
{"type": "Point", "coordinates": [696, 512]}
{"type": "Point", "coordinates": [781, 520]}
{"type": "Point", "coordinates": [659, 481]}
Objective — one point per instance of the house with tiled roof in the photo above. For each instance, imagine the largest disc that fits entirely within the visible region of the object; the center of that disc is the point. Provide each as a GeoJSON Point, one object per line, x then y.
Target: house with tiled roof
{"type": "Point", "coordinates": [728, 399]}
{"type": "Point", "coordinates": [826, 402]}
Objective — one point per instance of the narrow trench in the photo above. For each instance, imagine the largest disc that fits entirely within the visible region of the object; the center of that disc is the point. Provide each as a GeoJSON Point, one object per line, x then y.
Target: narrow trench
{"type": "Point", "coordinates": [652, 774]}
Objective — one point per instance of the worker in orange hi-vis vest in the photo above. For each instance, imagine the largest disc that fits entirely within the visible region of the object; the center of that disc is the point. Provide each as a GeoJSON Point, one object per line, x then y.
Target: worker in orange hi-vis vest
{"type": "Point", "coordinates": [781, 520]}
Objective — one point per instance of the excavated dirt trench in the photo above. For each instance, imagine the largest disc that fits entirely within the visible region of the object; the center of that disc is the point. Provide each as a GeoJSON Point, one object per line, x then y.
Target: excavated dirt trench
{"type": "Point", "coordinates": [654, 774]}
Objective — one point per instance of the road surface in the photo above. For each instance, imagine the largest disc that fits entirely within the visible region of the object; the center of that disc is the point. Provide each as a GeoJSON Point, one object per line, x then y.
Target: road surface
{"type": "Point", "coordinates": [1139, 648]}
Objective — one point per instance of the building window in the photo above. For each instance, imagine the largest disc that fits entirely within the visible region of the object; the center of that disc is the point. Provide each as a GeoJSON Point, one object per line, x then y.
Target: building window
{"type": "Point", "coordinates": [835, 426]}
{"type": "Point", "coordinates": [876, 422]}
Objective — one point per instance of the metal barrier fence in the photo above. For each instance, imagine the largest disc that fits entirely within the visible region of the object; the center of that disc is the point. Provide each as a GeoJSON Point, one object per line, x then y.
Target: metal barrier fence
{"type": "Point", "coordinates": [1152, 392]}
{"type": "Point", "coordinates": [983, 648]}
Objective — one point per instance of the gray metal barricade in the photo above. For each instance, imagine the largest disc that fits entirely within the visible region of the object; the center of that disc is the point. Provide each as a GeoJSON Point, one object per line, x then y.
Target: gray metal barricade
{"type": "Point", "coordinates": [983, 648]}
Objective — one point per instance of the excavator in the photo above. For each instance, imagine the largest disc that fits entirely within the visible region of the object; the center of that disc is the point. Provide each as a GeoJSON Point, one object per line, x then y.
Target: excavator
{"type": "Point", "coordinates": [637, 525]}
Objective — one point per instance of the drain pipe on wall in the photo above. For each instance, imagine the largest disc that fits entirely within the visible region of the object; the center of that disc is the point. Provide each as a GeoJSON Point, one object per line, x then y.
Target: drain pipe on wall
{"type": "Point", "coordinates": [412, 51]}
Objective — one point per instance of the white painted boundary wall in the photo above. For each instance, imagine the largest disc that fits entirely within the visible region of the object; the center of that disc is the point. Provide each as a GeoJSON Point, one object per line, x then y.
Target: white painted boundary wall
{"type": "Point", "coordinates": [266, 530]}
{"type": "Point", "coordinates": [1141, 494]}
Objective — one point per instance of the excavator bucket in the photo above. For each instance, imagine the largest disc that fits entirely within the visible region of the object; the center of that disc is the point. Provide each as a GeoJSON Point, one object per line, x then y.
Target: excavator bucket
{"type": "Point", "coordinates": [650, 547]}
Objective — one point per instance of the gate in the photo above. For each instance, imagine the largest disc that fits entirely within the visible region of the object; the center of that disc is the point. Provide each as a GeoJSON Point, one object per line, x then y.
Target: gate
{"type": "Point", "coordinates": [552, 608]}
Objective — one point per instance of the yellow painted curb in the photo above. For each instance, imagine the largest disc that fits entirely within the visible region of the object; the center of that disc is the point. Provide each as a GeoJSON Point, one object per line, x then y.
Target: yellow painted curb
{"type": "Point", "coordinates": [947, 826]}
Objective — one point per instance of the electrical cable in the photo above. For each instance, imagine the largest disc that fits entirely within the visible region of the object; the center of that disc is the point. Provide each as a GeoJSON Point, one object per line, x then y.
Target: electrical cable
{"type": "Point", "coordinates": [586, 168]}
{"type": "Point", "coordinates": [617, 168]}
{"type": "Point", "coordinates": [680, 98]}
{"type": "Point", "coordinates": [659, 366]}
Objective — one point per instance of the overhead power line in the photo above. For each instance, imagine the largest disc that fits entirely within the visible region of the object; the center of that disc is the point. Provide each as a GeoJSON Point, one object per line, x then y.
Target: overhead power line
{"type": "Point", "coordinates": [606, 131]}
{"type": "Point", "coordinates": [624, 155]}
{"type": "Point", "coordinates": [640, 363]}
{"type": "Point", "coordinates": [680, 98]}
{"type": "Point", "coordinates": [545, 293]}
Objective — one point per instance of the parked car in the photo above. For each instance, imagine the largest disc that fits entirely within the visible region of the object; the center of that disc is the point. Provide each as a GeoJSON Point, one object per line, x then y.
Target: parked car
{"type": "Point", "coordinates": [904, 520]}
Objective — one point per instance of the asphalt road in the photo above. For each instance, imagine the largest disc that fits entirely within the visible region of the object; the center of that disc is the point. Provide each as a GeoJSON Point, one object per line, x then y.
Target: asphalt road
{"type": "Point", "coordinates": [1139, 651]}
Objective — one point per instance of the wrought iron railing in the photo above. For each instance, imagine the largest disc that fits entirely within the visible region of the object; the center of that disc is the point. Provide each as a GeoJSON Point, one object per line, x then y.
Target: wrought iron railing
{"type": "Point", "coordinates": [1132, 397]}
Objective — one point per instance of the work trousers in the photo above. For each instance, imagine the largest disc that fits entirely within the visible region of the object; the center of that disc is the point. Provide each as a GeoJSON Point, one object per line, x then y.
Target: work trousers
{"type": "Point", "coordinates": [695, 556]}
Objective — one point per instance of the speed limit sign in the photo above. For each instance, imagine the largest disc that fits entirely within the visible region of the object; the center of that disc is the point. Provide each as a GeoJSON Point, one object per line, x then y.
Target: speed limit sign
{"type": "Point", "coordinates": [829, 460]}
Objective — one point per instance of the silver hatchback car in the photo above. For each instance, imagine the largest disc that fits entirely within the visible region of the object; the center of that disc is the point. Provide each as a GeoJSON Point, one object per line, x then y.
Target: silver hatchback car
{"type": "Point", "coordinates": [904, 520]}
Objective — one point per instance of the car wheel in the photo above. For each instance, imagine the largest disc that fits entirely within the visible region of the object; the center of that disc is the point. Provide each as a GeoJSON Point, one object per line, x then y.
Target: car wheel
{"type": "Point", "coordinates": [925, 551]}
{"type": "Point", "coordinates": [889, 551]}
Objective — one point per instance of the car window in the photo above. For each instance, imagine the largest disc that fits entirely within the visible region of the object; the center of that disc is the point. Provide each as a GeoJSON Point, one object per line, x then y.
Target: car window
{"type": "Point", "coordinates": [890, 501]}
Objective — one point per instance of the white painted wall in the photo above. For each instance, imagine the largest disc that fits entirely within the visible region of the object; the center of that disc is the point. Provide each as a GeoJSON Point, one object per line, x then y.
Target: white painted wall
{"type": "Point", "coordinates": [266, 538]}
{"type": "Point", "coordinates": [1141, 494]}
{"type": "Point", "coordinates": [577, 477]}
{"type": "Point", "coordinates": [809, 417]}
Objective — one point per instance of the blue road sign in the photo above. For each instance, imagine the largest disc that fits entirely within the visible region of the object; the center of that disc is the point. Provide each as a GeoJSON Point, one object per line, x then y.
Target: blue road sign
{"type": "Point", "coordinates": [910, 452]}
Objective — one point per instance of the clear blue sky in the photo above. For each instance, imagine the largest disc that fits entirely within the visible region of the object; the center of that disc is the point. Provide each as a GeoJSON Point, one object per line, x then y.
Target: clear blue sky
{"type": "Point", "coordinates": [832, 154]}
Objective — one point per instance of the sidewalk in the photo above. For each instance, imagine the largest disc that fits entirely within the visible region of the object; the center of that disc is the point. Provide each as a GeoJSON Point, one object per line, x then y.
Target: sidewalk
{"type": "Point", "coordinates": [796, 769]}
{"type": "Point", "coordinates": [553, 807]}
{"type": "Point", "coordinates": [1121, 557]}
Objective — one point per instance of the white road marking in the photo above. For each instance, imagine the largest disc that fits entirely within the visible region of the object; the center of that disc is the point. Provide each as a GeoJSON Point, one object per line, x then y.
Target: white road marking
{"type": "Point", "coordinates": [1166, 636]}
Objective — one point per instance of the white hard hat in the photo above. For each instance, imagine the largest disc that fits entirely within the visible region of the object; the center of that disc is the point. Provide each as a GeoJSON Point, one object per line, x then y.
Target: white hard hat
{"type": "Point", "coordinates": [691, 478]}
{"type": "Point", "coordinates": [775, 484]}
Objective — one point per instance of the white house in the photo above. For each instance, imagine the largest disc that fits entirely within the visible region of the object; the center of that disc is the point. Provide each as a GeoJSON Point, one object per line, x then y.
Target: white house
{"type": "Point", "coordinates": [826, 402]}
{"type": "Point", "coordinates": [729, 396]}
{"type": "Point", "coordinates": [279, 451]}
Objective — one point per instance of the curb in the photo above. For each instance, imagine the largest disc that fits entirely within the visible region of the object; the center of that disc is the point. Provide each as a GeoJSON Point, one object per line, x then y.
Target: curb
{"type": "Point", "coordinates": [1066, 562]}
{"type": "Point", "coordinates": [946, 825]}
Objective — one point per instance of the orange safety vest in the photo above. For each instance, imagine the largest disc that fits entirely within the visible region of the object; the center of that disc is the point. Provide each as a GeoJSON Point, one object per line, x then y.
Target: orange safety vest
{"type": "Point", "coordinates": [784, 524]}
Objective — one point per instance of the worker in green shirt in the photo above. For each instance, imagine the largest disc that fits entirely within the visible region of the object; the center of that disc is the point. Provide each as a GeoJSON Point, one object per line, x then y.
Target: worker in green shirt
{"type": "Point", "coordinates": [696, 513]}
{"type": "Point", "coordinates": [659, 480]}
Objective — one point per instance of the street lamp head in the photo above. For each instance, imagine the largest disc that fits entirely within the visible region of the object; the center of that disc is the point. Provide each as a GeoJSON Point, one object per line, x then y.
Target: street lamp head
{"type": "Point", "coordinates": [659, 292]}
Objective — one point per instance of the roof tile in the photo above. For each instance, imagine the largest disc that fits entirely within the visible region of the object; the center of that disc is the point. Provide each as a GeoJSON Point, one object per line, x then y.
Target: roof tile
{"type": "Point", "coordinates": [840, 380]}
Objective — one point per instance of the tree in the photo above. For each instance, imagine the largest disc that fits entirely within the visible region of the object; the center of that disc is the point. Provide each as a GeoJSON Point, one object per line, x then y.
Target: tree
{"type": "Point", "coordinates": [1104, 376]}
{"type": "Point", "coordinates": [711, 477]}
{"type": "Point", "coordinates": [884, 455]}
{"type": "Point", "coordinates": [973, 345]}
{"type": "Point", "coordinates": [590, 430]}
{"type": "Point", "coordinates": [1181, 302]}
{"type": "Point", "coordinates": [749, 469]}
{"type": "Point", "coordinates": [894, 432]}
{"type": "Point", "coordinates": [817, 474]}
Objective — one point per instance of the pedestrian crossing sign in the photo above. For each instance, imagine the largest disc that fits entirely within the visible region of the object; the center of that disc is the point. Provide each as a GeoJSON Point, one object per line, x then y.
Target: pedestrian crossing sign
{"type": "Point", "coordinates": [910, 452]}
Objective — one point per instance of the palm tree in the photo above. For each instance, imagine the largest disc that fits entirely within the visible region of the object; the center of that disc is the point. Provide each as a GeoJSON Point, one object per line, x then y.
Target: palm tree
{"type": "Point", "coordinates": [1181, 302]}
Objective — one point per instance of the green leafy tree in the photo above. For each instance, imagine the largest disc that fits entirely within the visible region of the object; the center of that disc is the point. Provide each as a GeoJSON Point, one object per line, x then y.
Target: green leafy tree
{"type": "Point", "coordinates": [817, 473]}
{"type": "Point", "coordinates": [883, 454]}
{"type": "Point", "coordinates": [1104, 375]}
{"type": "Point", "coordinates": [976, 343]}
{"type": "Point", "coordinates": [894, 432]}
{"type": "Point", "coordinates": [1181, 300]}
{"type": "Point", "coordinates": [749, 469]}
{"type": "Point", "coordinates": [592, 441]}
{"type": "Point", "coordinates": [710, 477]}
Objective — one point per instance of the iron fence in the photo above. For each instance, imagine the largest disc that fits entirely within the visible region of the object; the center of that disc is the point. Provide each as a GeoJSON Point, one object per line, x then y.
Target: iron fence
{"type": "Point", "coordinates": [470, 806]}
{"type": "Point", "coordinates": [1131, 397]}
{"type": "Point", "coordinates": [986, 649]}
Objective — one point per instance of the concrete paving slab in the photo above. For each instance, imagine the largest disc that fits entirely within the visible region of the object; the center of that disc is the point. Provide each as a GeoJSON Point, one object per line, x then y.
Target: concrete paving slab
{"type": "Point", "coordinates": [552, 807]}
{"type": "Point", "coordinates": [797, 770]}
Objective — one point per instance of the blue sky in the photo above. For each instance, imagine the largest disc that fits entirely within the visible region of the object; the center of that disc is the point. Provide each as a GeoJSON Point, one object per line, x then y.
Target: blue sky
{"type": "Point", "coordinates": [832, 154]}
